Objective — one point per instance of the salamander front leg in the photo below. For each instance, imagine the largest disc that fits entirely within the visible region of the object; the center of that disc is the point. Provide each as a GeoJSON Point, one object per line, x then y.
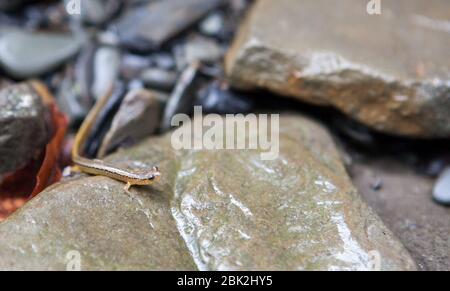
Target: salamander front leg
{"type": "Point", "coordinates": [127, 188]}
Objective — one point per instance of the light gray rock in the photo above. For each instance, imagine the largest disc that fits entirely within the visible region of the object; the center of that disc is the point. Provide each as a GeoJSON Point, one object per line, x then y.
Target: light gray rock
{"type": "Point", "coordinates": [212, 210]}
{"type": "Point", "coordinates": [441, 191]}
{"type": "Point", "coordinates": [390, 71]}
{"type": "Point", "coordinates": [25, 55]}
{"type": "Point", "coordinates": [23, 130]}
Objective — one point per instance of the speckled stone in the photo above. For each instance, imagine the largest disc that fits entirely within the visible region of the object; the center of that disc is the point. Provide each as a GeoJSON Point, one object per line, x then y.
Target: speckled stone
{"type": "Point", "coordinates": [212, 210]}
{"type": "Point", "coordinates": [23, 131]}
{"type": "Point", "coordinates": [390, 71]}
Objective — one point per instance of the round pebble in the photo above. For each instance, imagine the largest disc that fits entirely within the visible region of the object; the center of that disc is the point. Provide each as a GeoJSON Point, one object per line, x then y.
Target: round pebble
{"type": "Point", "coordinates": [441, 191]}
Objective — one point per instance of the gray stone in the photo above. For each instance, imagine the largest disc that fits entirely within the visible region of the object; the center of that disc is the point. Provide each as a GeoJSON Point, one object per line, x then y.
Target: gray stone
{"type": "Point", "coordinates": [212, 210]}
{"type": "Point", "coordinates": [390, 71]}
{"type": "Point", "coordinates": [23, 130]}
{"type": "Point", "coordinates": [24, 55]}
{"type": "Point", "coordinates": [441, 191]}
{"type": "Point", "coordinates": [138, 117]}
{"type": "Point", "coordinates": [149, 27]}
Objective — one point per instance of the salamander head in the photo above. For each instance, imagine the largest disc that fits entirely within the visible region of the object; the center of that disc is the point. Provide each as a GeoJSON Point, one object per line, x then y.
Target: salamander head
{"type": "Point", "coordinates": [153, 176]}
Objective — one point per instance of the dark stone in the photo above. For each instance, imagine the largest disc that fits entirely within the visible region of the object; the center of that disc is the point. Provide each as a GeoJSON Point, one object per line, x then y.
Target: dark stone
{"type": "Point", "coordinates": [23, 129]}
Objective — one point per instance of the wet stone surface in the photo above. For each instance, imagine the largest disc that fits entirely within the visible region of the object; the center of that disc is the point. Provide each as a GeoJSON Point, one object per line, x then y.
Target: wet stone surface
{"type": "Point", "coordinates": [23, 131]}
{"type": "Point", "coordinates": [373, 68]}
{"type": "Point", "coordinates": [212, 210]}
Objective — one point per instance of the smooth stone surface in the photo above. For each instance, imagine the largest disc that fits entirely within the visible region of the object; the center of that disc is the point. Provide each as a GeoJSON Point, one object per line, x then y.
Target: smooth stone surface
{"type": "Point", "coordinates": [404, 204]}
{"type": "Point", "coordinates": [441, 191]}
{"type": "Point", "coordinates": [148, 27]}
{"type": "Point", "coordinates": [24, 55]}
{"type": "Point", "coordinates": [106, 69]}
{"type": "Point", "coordinates": [23, 130]}
{"type": "Point", "coordinates": [389, 71]}
{"type": "Point", "coordinates": [138, 117]}
{"type": "Point", "coordinates": [222, 210]}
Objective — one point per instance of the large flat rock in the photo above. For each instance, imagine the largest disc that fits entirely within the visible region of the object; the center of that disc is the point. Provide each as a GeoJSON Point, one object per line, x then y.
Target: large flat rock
{"type": "Point", "coordinates": [390, 71]}
{"type": "Point", "coordinates": [212, 210]}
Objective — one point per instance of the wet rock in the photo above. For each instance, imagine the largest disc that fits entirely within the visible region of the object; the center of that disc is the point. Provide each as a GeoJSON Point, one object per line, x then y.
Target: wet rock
{"type": "Point", "coordinates": [404, 205]}
{"type": "Point", "coordinates": [159, 79]}
{"type": "Point", "coordinates": [25, 55]}
{"type": "Point", "coordinates": [97, 12]}
{"type": "Point", "coordinates": [23, 131]}
{"type": "Point", "coordinates": [441, 191]}
{"type": "Point", "coordinates": [231, 209]}
{"type": "Point", "coordinates": [138, 117]}
{"type": "Point", "coordinates": [94, 218]}
{"type": "Point", "coordinates": [106, 70]}
{"type": "Point", "coordinates": [373, 68]}
{"type": "Point", "coordinates": [149, 27]}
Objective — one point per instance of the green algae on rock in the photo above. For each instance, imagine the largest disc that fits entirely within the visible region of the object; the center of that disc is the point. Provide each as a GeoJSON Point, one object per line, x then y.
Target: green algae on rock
{"type": "Point", "coordinates": [212, 210]}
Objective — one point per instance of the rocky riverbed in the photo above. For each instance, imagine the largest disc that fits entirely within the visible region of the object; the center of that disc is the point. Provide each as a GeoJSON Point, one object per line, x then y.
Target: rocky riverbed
{"type": "Point", "coordinates": [357, 109]}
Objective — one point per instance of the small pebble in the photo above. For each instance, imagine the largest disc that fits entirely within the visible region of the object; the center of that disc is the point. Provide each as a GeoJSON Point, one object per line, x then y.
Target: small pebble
{"type": "Point", "coordinates": [441, 191]}
{"type": "Point", "coordinates": [213, 24]}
